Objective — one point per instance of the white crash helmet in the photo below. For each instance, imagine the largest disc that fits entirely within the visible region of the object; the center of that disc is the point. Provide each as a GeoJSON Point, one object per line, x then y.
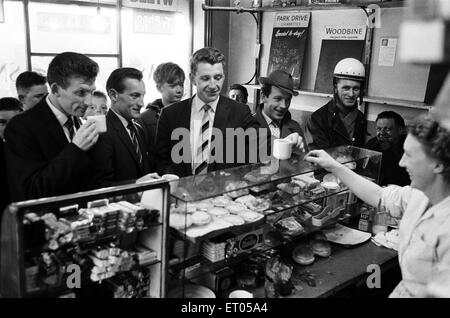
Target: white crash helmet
{"type": "Point", "coordinates": [350, 68]}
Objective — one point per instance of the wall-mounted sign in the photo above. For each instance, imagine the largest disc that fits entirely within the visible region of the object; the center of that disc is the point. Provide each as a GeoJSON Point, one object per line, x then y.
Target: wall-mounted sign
{"type": "Point", "coordinates": [338, 42]}
{"type": "Point", "coordinates": [339, 32]}
{"type": "Point", "coordinates": [287, 50]}
{"type": "Point", "coordinates": [73, 23]}
{"type": "Point", "coordinates": [163, 5]}
{"type": "Point", "coordinates": [153, 22]}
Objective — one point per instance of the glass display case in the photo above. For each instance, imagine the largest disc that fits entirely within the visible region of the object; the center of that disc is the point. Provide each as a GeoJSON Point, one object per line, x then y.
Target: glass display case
{"type": "Point", "coordinates": [109, 242]}
{"type": "Point", "coordinates": [230, 229]}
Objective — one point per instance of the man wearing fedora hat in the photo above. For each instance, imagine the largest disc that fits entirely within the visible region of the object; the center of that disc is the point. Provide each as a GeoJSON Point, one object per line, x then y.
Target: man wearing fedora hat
{"type": "Point", "coordinates": [276, 94]}
{"type": "Point", "coordinates": [340, 122]}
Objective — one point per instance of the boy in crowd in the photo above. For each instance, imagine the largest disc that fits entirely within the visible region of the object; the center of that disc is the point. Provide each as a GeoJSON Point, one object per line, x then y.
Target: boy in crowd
{"type": "Point", "coordinates": [31, 88]}
{"type": "Point", "coordinates": [169, 79]}
{"type": "Point", "coordinates": [99, 105]}
{"type": "Point", "coordinates": [238, 93]}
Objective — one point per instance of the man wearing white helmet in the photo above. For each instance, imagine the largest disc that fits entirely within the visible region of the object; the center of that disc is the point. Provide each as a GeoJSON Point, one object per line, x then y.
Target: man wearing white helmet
{"type": "Point", "coordinates": [340, 122]}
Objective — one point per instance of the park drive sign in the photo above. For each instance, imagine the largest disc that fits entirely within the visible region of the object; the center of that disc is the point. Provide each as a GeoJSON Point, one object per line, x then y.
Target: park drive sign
{"type": "Point", "coordinates": [163, 5]}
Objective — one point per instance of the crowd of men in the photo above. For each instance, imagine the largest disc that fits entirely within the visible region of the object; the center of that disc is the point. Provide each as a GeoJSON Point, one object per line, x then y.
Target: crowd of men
{"type": "Point", "coordinates": [50, 147]}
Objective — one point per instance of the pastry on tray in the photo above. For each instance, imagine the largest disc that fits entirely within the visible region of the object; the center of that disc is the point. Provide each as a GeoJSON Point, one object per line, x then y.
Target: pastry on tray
{"type": "Point", "coordinates": [290, 188]}
{"type": "Point", "coordinates": [245, 199]}
{"type": "Point", "coordinates": [180, 221]}
{"type": "Point", "coordinates": [218, 211]}
{"type": "Point", "coordinates": [236, 186]}
{"type": "Point", "coordinates": [201, 218]}
{"type": "Point", "coordinates": [320, 245]}
{"type": "Point", "coordinates": [255, 176]}
{"type": "Point", "coordinates": [289, 226]}
{"type": "Point", "coordinates": [234, 219]}
{"type": "Point", "coordinates": [258, 204]}
{"type": "Point", "coordinates": [221, 201]}
{"type": "Point", "coordinates": [303, 254]}
{"type": "Point", "coordinates": [251, 216]}
{"type": "Point", "coordinates": [236, 208]}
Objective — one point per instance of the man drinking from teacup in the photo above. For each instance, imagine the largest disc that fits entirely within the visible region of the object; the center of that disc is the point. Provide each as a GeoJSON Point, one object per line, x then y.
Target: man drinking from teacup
{"type": "Point", "coordinates": [276, 94]}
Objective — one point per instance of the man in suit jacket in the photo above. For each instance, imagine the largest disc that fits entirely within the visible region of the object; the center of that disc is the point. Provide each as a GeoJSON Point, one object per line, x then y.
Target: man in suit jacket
{"type": "Point", "coordinates": [9, 107]}
{"type": "Point", "coordinates": [121, 153]}
{"type": "Point", "coordinates": [192, 134]}
{"type": "Point", "coordinates": [46, 149]}
{"type": "Point", "coordinates": [276, 94]}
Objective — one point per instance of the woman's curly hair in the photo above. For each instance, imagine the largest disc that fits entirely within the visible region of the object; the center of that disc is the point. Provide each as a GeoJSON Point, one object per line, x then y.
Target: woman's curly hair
{"type": "Point", "coordinates": [435, 140]}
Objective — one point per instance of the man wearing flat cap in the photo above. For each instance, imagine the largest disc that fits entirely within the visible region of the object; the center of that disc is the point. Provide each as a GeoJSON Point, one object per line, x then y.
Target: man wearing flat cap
{"type": "Point", "coordinates": [276, 94]}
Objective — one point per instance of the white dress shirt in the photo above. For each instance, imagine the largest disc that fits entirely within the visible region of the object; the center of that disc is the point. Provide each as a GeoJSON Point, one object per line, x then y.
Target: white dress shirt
{"type": "Point", "coordinates": [61, 117]}
{"type": "Point", "coordinates": [196, 123]}
{"type": "Point", "coordinates": [274, 127]}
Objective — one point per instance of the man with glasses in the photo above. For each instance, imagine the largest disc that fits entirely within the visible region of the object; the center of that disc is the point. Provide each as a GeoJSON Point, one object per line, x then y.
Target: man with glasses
{"type": "Point", "coordinates": [391, 134]}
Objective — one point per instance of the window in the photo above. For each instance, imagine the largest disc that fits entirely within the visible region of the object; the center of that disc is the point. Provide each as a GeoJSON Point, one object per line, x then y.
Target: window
{"type": "Point", "coordinates": [151, 37]}
{"type": "Point", "coordinates": [12, 50]}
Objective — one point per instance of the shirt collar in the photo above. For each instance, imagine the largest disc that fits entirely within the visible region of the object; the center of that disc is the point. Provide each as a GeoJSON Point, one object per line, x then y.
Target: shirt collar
{"type": "Point", "coordinates": [197, 104]}
{"type": "Point", "coordinates": [122, 119]}
{"type": "Point", "coordinates": [60, 116]}
{"type": "Point", "coordinates": [440, 209]}
{"type": "Point", "coordinates": [268, 119]}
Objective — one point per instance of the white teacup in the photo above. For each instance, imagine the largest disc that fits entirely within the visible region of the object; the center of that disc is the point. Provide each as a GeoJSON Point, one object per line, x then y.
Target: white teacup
{"type": "Point", "coordinates": [282, 149]}
{"type": "Point", "coordinates": [100, 122]}
{"type": "Point", "coordinates": [173, 180]}
{"type": "Point", "coordinates": [239, 293]}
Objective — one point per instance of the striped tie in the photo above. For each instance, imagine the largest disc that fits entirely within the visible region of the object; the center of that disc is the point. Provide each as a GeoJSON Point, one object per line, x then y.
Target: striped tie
{"type": "Point", "coordinates": [69, 125]}
{"type": "Point", "coordinates": [134, 140]}
{"type": "Point", "coordinates": [202, 155]}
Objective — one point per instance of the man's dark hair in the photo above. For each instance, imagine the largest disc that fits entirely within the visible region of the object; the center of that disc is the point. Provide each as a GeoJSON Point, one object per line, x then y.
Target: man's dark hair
{"type": "Point", "coordinates": [118, 76]}
{"type": "Point", "coordinates": [10, 103]}
{"type": "Point", "coordinates": [266, 89]}
{"type": "Point", "coordinates": [399, 121]}
{"type": "Point", "coordinates": [435, 140]}
{"type": "Point", "coordinates": [28, 79]}
{"type": "Point", "coordinates": [99, 95]}
{"type": "Point", "coordinates": [241, 88]}
{"type": "Point", "coordinates": [168, 73]}
{"type": "Point", "coordinates": [209, 55]}
{"type": "Point", "coordinates": [69, 64]}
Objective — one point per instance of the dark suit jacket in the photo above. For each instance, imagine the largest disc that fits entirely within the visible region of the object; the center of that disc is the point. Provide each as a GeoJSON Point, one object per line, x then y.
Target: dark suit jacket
{"type": "Point", "coordinates": [288, 126]}
{"type": "Point", "coordinates": [4, 192]}
{"type": "Point", "coordinates": [40, 160]}
{"type": "Point", "coordinates": [149, 120]}
{"type": "Point", "coordinates": [325, 129]}
{"type": "Point", "coordinates": [114, 156]}
{"type": "Point", "coordinates": [229, 114]}
{"type": "Point", "coordinates": [391, 172]}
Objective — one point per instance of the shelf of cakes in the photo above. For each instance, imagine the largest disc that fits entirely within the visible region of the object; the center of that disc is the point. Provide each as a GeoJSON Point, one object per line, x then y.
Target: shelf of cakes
{"type": "Point", "coordinates": [104, 243]}
{"type": "Point", "coordinates": [226, 218]}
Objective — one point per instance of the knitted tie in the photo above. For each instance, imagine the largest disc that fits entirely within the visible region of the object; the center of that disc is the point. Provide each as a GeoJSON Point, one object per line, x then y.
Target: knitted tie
{"type": "Point", "coordinates": [134, 140]}
{"type": "Point", "coordinates": [69, 125]}
{"type": "Point", "coordinates": [202, 155]}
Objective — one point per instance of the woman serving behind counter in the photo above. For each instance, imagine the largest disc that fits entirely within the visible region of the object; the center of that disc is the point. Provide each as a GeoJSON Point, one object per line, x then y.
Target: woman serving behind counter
{"type": "Point", "coordinates": [424, 207]}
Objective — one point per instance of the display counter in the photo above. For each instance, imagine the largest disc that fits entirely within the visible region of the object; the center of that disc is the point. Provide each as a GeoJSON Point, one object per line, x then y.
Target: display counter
{"type": "Point", "coordinates": [243, 227]}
